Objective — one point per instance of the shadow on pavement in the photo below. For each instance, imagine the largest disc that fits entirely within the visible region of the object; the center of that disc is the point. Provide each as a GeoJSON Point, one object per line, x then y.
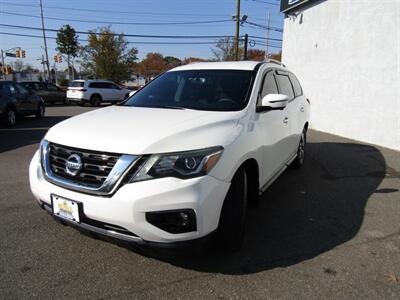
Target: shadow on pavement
{"type": "Point", "coordinates": [304, 213]}
{"type": "Point", "coordinates": [28, 131]}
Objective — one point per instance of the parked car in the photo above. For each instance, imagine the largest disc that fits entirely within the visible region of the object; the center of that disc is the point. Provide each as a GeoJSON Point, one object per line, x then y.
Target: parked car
{"type": "Point", "coordinates": [16, 101]}
{"type": "Point", "coordinates": [95, 92]}
{"type": "Point", "coordinates": [50, 93]}
{"type": "Point", "coordinates": [180, 159]}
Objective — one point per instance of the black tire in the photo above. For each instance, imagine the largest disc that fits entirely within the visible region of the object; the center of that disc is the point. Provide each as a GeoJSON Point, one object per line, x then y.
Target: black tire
{"type": "Point", "coordinates": [233, 215]}
{"type": "Point", "coordinates": [40, 111]}
{"type": "Point", "coordinates": [66, 101]}
{"type": "Point", "coordinates": [301, 152]}
{"type": "Point", "coordinates": [10, 118]}
{"type": "Point", "coordinates": [95, 100]}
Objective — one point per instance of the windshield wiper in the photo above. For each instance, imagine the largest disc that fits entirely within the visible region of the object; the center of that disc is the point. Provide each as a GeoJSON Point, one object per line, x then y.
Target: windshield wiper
{"type": "Point", "coordinates": [166, 106]}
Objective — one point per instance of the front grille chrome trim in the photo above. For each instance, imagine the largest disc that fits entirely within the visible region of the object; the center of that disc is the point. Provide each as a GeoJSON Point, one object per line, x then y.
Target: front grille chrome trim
{"type": "Point", "coordinates": [108, 187]}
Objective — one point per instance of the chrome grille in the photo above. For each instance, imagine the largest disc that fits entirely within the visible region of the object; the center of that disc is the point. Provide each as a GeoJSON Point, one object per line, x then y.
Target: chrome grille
{"type": "Point", "coordinates": [96, 165]}
{"type": "Point", "coordinates": [99, 173]}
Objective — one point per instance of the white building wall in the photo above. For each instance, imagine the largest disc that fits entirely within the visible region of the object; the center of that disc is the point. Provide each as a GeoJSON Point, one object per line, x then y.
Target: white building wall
{"type": "Point", "coordinates": [346, 54]}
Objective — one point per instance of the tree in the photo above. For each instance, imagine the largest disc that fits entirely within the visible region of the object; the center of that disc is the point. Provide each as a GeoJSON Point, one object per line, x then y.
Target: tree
{"type": "Point", "coordinates": [256, 54]}
{"type": "Point", "coordinates": [189, 60]}
{"type": "Point", "coordinates": [67, 43]}
{"type": "Point", "coordinates": [171, 62]}
{"type": "Point", "coordinates": [107, 55]}
{"type": "Point", "coordinates": [225, 50]}
{"type": "Point", "coordinates": [152, 65]}
{"type": "Point", "coordinates": [277, 56]}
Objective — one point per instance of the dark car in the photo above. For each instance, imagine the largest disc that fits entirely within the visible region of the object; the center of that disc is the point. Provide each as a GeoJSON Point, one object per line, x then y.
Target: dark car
{"type": "Point", "coordinates": [49, 92]}
{"type": "Point", "coordinates": [16, 101]}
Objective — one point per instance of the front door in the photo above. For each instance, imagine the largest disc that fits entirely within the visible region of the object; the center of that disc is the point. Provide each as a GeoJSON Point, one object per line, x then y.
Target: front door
{"type": "Point", "coordinates": [274, 129]}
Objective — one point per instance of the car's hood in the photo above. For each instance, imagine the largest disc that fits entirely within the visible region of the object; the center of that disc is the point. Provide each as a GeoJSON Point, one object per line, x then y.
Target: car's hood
{"type": "Point", "coordinates": [135, 130]}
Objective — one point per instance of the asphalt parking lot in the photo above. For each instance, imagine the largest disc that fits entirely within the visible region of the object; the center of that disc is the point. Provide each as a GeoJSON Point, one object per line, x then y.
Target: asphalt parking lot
{"type": "Point", "coordinates": [330, 230]}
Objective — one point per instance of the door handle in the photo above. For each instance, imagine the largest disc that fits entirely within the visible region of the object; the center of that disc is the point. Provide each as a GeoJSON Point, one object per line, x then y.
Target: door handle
{"type": "Point", "coordinates": [286, 120]}
{"type": "Point", "coordinates": [302, 109]}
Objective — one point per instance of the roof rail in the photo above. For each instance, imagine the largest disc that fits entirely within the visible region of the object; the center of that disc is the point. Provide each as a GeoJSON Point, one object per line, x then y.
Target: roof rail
{"type": "Point", "coordinates": [274, 61]}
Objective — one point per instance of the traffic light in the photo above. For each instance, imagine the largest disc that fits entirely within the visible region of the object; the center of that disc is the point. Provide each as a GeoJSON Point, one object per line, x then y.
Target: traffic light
{"type": "Point", "coordinates": [23, 53]}
{"type": "Point", "coordinates": [55, 58]}
{"type": "Point", "coordinates": [58, 58]}
{"type": "Point", "coordinates": [17, 53]}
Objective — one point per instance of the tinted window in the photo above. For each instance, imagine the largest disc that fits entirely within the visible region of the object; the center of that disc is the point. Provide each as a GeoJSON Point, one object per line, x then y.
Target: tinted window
{"type": "Point", "coordinates": [39, 86]}
{"type": "Point", "coordinates": [21, 89]}
{"type": "Point", "coordinates": [296, 85]}
{"type": "Point", "coordinates": [1, 89]}
{"type": "Point", "coordinates": [77, 84]}
{"type": "Point", "coordinates": [285, 87]}
{"type": "Point", "coordinates": [11, 88]}
{"type": "Point", "coordinates": [99, 85]}
{"type": "Point", "coordinates": [26, 85]}
{"type": "Point", "coordinates": [269, 85]}
{"type": "Point", "coordinates": [212, 90]}
{"type": "Point", "coordinates": [52, 88]}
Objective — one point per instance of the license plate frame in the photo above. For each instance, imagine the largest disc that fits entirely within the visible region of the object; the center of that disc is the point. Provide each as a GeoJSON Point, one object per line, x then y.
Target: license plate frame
{"type": "Point", "coordinates": [66, 209]}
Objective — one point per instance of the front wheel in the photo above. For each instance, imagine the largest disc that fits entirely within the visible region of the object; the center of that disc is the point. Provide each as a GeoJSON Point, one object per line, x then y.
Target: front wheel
{"type": "Point", "coordinates": [40, 111]}
{"type": "Point", "coordinates": [95, 100]}
{"type": "Point", "coordinates": [11, 118]}
{"type": "Point", "coordinates": [233, 215]}
{"type": "Point", "coordinates": [301, 152]}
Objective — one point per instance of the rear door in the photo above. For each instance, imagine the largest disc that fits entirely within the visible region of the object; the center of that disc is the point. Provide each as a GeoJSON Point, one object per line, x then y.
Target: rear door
{"type": "Point", "coordinates": [274, 130]}
{"type": "Point", "coordinates": [23, 104]}
{"type": "Point", "coordinates": [55, 93]}
{"type": "Point", "coordinates": [299, 114]}
{"type": "Point", "coordinates": [40, 89]}
{"type": "Point", "coordinates": [285, 87]}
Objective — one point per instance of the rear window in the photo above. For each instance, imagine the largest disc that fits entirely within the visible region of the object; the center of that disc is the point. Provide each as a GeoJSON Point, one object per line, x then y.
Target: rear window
{"type": "Point", "coordinates": [296, 85]}
{"type": "Point", "coordinates": [285, 86]}
{"type": "Point", "coordinates": [77, 84]}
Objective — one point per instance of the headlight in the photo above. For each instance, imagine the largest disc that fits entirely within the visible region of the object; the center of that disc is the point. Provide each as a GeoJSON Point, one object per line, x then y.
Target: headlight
{"type": "Point", "coordinates": [183, 165]}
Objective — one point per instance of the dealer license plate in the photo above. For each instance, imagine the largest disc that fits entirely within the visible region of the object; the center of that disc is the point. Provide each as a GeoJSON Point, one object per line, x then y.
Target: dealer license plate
{"type": "Point", "coordinates": [65, 208]}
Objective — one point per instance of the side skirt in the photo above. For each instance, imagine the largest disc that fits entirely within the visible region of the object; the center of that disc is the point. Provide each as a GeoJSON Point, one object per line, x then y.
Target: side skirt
{"type": "Point", "coordinates": [278, 173]}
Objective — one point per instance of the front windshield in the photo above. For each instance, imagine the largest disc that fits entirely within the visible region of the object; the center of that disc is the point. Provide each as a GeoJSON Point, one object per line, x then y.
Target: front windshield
{"type": "Point", "coordinates": [212, 90]}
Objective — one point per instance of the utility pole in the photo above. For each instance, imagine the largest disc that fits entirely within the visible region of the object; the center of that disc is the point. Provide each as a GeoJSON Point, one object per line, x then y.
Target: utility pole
{"type": "Point", "coordinates": [268, 26]}
{"type": "Point", "coordinates": [237, 29]}
{"type": "Point", "coordinates": [45, 43]}
{"type": "Point", "coordinates": [246, 41]}
{"type": "Point", "coordinates": [44, 69]}
{"type": "Point", "coordinates": [3, 66]}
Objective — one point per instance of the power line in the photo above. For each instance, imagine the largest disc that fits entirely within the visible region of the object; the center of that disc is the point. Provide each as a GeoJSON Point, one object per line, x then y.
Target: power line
{"type": "Point", "coordinates": [265, 2]}
{"type": "Point", "coordinates": [114, 11]}
{"type": "Point", "coordinates": [130, 42]}
{"type": "Point", "coordinates": [120, 23]}
{"type": "Point", "coordinates": [127, 35]}
{"type": "Point", "coordinates": [136, 42]}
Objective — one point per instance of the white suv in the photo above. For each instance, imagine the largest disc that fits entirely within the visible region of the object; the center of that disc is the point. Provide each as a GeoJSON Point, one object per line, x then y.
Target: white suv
{"type": "Point", "coordinates": [178, 160]}
{"type": "Point", "coordinates": [95, 92]}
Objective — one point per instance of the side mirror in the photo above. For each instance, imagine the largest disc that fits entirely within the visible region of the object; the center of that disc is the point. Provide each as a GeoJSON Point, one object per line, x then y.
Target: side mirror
{"type": "Point", "coordinates": [273, 102]}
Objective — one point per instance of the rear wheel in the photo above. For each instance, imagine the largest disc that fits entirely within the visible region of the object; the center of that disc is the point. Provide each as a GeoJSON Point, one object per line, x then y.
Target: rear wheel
{"type": "Point", "coordinates": [301, 152]}
{"type": "Point", "coordinates": [95, 100]}
{"type": "Point", "coordinates": [40, 111]}
{"type": "Point", "coordinates": [11, 118]}
{"type": "Point", "coordinates": [233, 215]}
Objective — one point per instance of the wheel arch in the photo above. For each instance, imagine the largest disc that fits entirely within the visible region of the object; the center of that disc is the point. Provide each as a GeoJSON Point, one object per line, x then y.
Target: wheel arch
{"type": "Point", "coordinates": [252, 169]}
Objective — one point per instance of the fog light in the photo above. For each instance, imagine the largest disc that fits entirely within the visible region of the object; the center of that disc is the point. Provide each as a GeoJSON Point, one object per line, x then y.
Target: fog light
{"type": "Point", "coordinates": [173, 221]}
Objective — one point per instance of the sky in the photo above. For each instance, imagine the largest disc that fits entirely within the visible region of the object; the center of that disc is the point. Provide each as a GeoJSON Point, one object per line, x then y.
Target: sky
{"type": "Point", "coordinates": [86, 15]}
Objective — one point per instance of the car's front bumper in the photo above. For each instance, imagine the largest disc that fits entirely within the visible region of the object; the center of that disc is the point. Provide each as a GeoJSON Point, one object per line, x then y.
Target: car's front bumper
{"type": "Point", "coordinates": [127, 207]}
